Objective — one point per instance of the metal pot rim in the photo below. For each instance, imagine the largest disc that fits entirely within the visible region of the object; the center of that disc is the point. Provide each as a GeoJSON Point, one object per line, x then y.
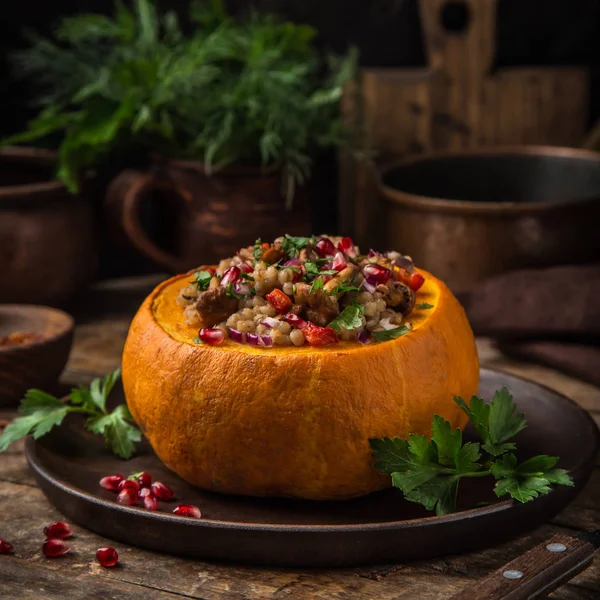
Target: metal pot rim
{"type": "Point", "coordinates": [398, 196]}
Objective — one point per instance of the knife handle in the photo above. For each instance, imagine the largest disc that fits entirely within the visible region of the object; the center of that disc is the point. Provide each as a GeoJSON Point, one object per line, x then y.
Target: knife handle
{"type": "Point", "coordinates": [534, 574]}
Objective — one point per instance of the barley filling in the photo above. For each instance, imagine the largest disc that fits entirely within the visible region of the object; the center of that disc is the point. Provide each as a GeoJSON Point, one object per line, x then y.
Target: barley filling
{"type": "Point", "coordinates": [302, 290]}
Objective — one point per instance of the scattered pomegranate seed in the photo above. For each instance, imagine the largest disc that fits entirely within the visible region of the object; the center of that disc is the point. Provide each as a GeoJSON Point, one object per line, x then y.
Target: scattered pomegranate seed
{"type": "Point", "coordinates": [5, 547]}
{"type": "Point", "coordinates": [416, 281]}
{"type": "Point", "coordinates": [187, 510]}
{"type": "Point", "coordinates": [376, 273]}
{"type": "Point", "coordinates": [127, 496]}
{"type": "Point", "coordinates": [162, 491]}
{"type": "Point", "coordinates": [112, 482]}
{"type": "Point", "coordinates": [339, 262]}
{"type": "Point", "coordinates": [212, 336]}
{"type": "Point", "coordinates": [347, 247]}
{"type": "Point", "coordinates": [57, 530]}
{"type": "Point", "coordinates": [325, 248]}
{"type": "Point", "coordinates": [144, 492]}
{"type": "Point", "coordinates": [54, 548]}
{"type": "Point", "coordinates": [230, 275]}
{"type": "Point", "coordinates": [144, 479]}
{"type": "Point", "coordinates": [129, 484]}
{"type": "Point", "coordinates": [293, 319]}
{"type": "Point", "coordinates": [107, 556]}
{"type": "Point", "coordinates": [149, 501]}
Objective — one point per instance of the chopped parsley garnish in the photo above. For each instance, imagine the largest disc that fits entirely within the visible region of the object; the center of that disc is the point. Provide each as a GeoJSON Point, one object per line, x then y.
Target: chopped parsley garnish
{"type": "Point", "coordinates": [246, 276]}
{"type": "Point", "coordinates": [292, 245]}
{"type": "Point", "coordinates": [424, 305]}
{"type": "Point", "coordinates": [347, 287]}
{"type": "Point", "coordinates": [257, 249]}
{"type": "Point", "coordinates": [390, 334]}
{"type": "Point", "coordinates": [202, 280]}
{"type": "Point", "coordinates": [349, 318]}
{"type": "Point", "coordinates": [197, 340]}
{"type": "Point", "coordinates": [428, 471]}
{"type": "Point", "coordinates": [317, 284]}
{"type": "Point", "coordinates": [230, 291]}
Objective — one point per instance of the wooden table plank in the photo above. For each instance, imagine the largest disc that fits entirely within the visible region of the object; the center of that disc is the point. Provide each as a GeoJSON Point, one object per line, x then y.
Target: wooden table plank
{"type": "Point", "coordinates": [100, 335]}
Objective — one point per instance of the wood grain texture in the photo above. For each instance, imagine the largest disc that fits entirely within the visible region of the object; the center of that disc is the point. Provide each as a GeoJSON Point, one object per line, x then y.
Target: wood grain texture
{"type": "Point", "coordinates": [460, 101]}
{"type": "Point", "coordinates": [144, 574]}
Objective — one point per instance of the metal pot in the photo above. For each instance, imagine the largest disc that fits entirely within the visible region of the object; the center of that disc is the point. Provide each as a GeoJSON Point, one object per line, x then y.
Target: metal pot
{"type": "Point", "coordinates": [471, 214]}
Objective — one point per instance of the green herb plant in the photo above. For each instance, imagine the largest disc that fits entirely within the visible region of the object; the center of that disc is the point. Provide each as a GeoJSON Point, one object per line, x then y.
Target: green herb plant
{"type": "Point", "coordinates": [252, 90]}
{"type": "Point", "coordinates": [428, 471]}
{"type": "Point", "coordinates": [41, 412]}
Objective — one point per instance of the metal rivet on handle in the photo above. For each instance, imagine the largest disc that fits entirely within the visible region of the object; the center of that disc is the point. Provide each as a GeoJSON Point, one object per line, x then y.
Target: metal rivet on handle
{"type": "Point", "coordinates": [556, 547]}
{"type": "Point", "coordinates": [513, 574]}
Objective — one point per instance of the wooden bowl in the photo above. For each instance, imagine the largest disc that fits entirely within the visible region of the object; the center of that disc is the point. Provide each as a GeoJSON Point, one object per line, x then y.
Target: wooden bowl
{"type": "Point", "coordinates": [36, 364]}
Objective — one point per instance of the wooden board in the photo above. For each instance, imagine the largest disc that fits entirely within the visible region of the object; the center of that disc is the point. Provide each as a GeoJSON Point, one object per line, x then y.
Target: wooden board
{"type": "Point", "coordinates": [378, 528]}
{"type": "Point", "coordinates": [459, 101]}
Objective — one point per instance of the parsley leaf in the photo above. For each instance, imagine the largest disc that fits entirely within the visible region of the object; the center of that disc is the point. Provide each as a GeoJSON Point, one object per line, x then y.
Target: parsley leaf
{"type": "Point", "coordinates": [528, 480]}
{"type": "Point", "coordinates": [230, 291]}
{"type": "Point", "coordinates": [347, 287]}
{"type": "Point", "coordinates": [257, 249]}
{"type": "Point", "coordinates": [42, 412]}
{"type": "Point", "coordinates": [317, 284]}
{"type": "Point", "coordinates": [246, 276]}
{"type": "Point", "coordinates": [391, 334]}
{"type": "Point", "coordinates": [424, 305]}
{"type": "Point", "coordinates": [495, 422]}
{"type": "Point", "coordinates": [202, 280]}
{"type": "Point", "coordinates": [292, 245]}
{"type": "Point", "coordinates": [349, 318]}
{"type": "Point", "coordinates": [429, 471]}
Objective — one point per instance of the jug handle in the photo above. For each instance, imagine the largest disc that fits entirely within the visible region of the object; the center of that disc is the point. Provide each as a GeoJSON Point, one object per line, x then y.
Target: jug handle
{"type": "Point", "coordinates": [122, 205]}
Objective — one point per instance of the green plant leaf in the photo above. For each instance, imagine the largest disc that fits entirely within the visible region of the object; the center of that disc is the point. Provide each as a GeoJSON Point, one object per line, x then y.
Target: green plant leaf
{"type": "Point", "coordinates": [391, 334]}
{"type": "Point", "coordinates": [350, 318]}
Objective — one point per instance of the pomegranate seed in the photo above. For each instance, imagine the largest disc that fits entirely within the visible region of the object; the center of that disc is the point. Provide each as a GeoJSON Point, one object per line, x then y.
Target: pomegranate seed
{"type": "Point", "coordinates": [325, 247]}
{"type": "Point", "coordinates": [339, 262]}
{"type": "Point", "coordinates": [211, 336]}
{"type": "Point", "coordinates": [111, 482]}
{"type": "Point", "coordinates": [162, 491]}
{"type": "Point", "coordinates": [149, 501]}
{"type": "Point", "coordinates": [376, 273]}
{"type": "Point", "coordinates": [54, 548]}
{"type": "Point", "coordinates": [347, 247]}
{"type": "Point", "coordinates": [129, 484]}
{"type": "Point", "coordinates": [5, 547]}
{"type": "Point", "coordinates": [230, 275]}
{"type": "Point", "coordinates": [127, 496]}
{"type": "Point", "coordinates": [145, 492]}
{"type": "Point", "coordinates": [416, 281]}
{"type": "Point", "coordinates": [144, 479]}
{"type": "Point", "coordinates": [187, 510]}
{"type": "Point", "coordinates": [57, 530]}
{"type": "Point", "coordinates": [107, 556]}
{"type": "Point", "coordinates": [293, 319]}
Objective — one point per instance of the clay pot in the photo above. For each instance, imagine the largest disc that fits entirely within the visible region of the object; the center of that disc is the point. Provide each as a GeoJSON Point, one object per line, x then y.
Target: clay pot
{"type": "Point", "coordinates": [47, 249]}
{"type": "Point", "coordinates": [471, 214]}
{"type": "Point", "coordinates": [209, 217]}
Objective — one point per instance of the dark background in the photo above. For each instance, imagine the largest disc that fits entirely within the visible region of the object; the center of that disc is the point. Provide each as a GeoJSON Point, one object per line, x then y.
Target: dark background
{"type": "Point", "coordinates": [387, 33]}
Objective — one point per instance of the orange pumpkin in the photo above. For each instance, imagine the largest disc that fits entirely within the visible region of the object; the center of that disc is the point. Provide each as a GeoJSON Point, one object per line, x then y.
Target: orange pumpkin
{"type": "Point", "coordinates": [288, 421]}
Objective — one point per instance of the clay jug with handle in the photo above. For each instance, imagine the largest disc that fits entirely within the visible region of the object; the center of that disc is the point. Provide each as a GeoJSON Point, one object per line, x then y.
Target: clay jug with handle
{"type": "Point", "coordinates": [213, 216]}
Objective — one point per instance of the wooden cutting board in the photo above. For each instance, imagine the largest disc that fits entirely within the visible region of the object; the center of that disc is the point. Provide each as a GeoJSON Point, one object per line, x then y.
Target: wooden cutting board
{"type": "Point", "coordinates": [459, 101]}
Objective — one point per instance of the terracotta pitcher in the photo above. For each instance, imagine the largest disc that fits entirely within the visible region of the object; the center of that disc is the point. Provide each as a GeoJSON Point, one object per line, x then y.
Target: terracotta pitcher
{"type": "Point", "coordinates": [213, 216]}
{"type": "Point", "coordinates": [47, 244]}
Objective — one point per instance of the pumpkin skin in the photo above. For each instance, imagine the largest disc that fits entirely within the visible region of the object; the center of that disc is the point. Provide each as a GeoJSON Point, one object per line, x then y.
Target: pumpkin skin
{"type": "Point", "coordinates": [292, 421]}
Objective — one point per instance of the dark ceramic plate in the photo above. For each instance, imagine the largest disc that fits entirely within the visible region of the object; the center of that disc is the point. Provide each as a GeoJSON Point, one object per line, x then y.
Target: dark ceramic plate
{"type": "Point", "coordinates": [378, 528]}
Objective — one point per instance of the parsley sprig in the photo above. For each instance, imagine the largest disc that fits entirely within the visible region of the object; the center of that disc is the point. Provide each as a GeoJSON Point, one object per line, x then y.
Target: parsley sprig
{"type": "Point", "coordinates": [41, 412]}
{"type": "Point", "coordinates": [429, 471]}
{"type": "Point", "coordinates": [292, 245]}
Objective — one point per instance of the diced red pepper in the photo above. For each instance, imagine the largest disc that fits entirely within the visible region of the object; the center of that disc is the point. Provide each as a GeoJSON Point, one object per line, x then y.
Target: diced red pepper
{"type": "Point", "coordinates": [279, 301]}
{"type": "Point", "coordinates": [319, 336]}
{"type": "Point", "coordinates": [413, 280]}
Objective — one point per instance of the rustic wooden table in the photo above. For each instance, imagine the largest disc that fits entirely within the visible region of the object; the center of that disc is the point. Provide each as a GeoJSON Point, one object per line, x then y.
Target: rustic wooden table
{"type": "Point", "coordinates": [102, 326]}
